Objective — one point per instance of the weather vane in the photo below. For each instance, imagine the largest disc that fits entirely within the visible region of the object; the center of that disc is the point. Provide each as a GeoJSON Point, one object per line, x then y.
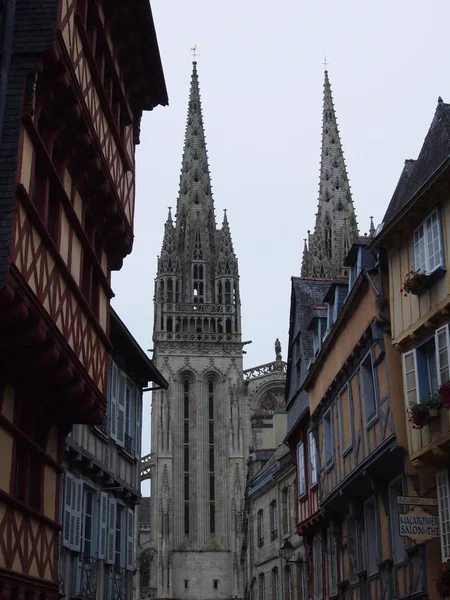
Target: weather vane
{"type": "Point", "coordinates": [325, 62]}
{"type": "Point", "coordinates": [193, 50]}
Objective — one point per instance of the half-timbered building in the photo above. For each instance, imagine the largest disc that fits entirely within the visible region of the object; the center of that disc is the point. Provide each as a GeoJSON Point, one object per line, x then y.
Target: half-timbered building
{"type": "Point", "coordinates": [307, 309]}
{"type": "Point", "coordinates": [359, 436]}
{"type": "Point", "coordinates": [76, 76]}
{"type": "Point", "coordinates": [413, 240]}
{"type": "Point", "coordinates": [101, 487]}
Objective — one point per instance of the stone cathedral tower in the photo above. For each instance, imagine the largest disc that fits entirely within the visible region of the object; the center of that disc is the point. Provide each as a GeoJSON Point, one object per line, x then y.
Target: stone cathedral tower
{"type": "Point", "coordinates": [199, 425]}
{"type": "Point", "coordinates": [336, 226]}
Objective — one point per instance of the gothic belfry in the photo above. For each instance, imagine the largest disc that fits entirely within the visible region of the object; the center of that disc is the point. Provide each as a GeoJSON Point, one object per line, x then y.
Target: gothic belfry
{"type": "Point", "coordinates": [335, 227]}
{"type": "Point", "coordinates": [199, 425]}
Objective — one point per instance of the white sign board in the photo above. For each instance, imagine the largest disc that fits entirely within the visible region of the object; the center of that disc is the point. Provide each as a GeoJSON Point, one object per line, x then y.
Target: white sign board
{"type": "Point", "coordinates": [418, 525]}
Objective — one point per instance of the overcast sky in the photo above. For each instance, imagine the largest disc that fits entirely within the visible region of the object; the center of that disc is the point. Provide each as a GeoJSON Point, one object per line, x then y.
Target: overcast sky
{"type": "Point", "coordinates": [261, 80]}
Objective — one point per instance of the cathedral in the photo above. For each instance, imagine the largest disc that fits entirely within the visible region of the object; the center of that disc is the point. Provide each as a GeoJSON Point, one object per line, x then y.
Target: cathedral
{"type": "Point", "coordinates": [210, 423]}
{"type": "Point", "coordinates": [200, 432]}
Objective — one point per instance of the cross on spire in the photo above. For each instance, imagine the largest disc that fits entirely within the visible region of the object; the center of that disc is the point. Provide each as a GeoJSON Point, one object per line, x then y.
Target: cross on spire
{"type": "Point", "coordinates": [325, 62]}
{"type": "Point", "coordinates": [194, 50]}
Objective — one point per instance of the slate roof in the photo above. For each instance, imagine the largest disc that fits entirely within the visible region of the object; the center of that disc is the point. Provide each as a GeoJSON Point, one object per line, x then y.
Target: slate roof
{"type": "Point", "coordinates": [34, 26]}
{"type": "Point", "coordinates": [265, 474]}
{"type": "Point", "coordinates": [307, 294]}
{"type": "Point", "coordinates": [435, 151]}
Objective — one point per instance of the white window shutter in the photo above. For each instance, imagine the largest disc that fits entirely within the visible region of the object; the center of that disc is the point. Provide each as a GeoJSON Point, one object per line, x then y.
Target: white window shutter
{"type": "Point", "coordinates": [111, 533]}
{"type": "Point", "coordinates": [442, 354]}
{"type": "Point", "coordinates": [443, 496]}
{"type": "Point", "coordinates": [410, 378]}
{"type": "Point", "coordinates": [138, 413]}
{"type": "Point", "coordinates": [113, 400]}
{"type": "Point", "coordinates": [103, 525]}
{"type": "Point", "coordinates": [77, 512]}
{"type": "Point", "coordinates": [121, 405]}
{"type": "Point", "coordinates": [67, 515]}
{"type": "Point", "coordinates": [130, 540]}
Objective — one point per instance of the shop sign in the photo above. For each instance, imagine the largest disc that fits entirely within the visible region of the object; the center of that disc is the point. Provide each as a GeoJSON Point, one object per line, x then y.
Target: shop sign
{"type": "Point", "coordinates": [418, 525]}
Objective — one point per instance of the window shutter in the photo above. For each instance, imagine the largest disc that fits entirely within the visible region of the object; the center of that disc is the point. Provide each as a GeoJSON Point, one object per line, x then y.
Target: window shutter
{"type": "Point", "coordinates": [138, 412]}
{"type": "Point", "coordinates": [67, 517]}
{"type": "Point", "coordinates": [442, 358]}
{"type": "Point", "coordinates": [111, 533]}
{"type": "Point", "coordinates": [113, 400]}
{"type": "Point", "coordinates": [410, 383]}
{"type": "Point", "coordinates": [121, 405]}
{"type": "Point", "coordinates": [77, 511]}
{"type": "Point", "coordinates": [130, 539]}
{"type": "Point", "coordinates": [443, 495]}
{"type": "Point", "coordinates": [103, 524]}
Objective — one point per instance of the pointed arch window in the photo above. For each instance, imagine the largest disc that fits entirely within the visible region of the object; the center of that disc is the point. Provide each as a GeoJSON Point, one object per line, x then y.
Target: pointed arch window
{"type": "Point", "coordinates": [212, 485]}
{"type": "Point", "coordinates": [227, 292]}
{"type": "Point", "coordinates": [186, 466]}
{"type": "Point", "coordinates": [198, 283]}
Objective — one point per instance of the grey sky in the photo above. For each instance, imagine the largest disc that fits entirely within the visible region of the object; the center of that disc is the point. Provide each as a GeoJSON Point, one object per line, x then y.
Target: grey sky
{"type": "Point", "coordinates": [261, 81]}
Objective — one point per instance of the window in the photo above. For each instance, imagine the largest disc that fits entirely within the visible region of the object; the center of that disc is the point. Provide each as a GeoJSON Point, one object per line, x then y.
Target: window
{"type": "Point", "coordinates": [260, 528]}
{"type": "Point", "coordinates": [317, 566]}
{"type": "Point", "coordinates": [355, 270]}
{"type": "Point", "coordinates": [398, 541]}
{"type": "Point", "coordinates": [287, 583]}
{"type": "Point", "coordinates": [332, 563]}
{"type": "Point", "coordinates": [368, 388]}
{"type": "Point", "coordinates": [186, 582]}
{"type": "Point", "coordinates": [186, 404]}
{"type": "Point", "coordinates": [273, 520]}
{"type": "Point", "coordinates": [426, 367]}
{"type": "Point", "coordinates": [285, 510]}
{"type": "Point", "coordinates": [312, 459]}
{"type": "Point", "coordinates": [332, 308]}
{"type": "Point", "coordinates": [212, 497]}
{"type": "Point", "coordinates": [261, 587]}
{"type": "Point", "coordinates": [328, 438]}
{"type": "Point", "coordinates": [215, 584]}
{"type": "Point", "coordinates": [275, 584]}
{"type": "Point", "coordinates": [353, 548]}
{"type": "Point", "coordinates": [123, 410]}
{"type": "Point", "coordinates": [443, 496]}
{"type": "Point", "coordinates": [428, 244]}
{"type": "Point", "coordinates": [301, 469]}
{"type": "Point", "coordinates": [371, 536]}
{"type": "Point", "coordinates": [88, 523]}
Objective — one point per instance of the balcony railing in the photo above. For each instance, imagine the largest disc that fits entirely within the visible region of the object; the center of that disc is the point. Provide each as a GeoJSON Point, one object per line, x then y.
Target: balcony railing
{"type": "Point", "coordinates": [88, 575]}
{"type": "Point", "coordinates": [120, 584]}
{"type": "Point", "coordinates": [432, 437]}
{"type": "Point", "coordinates": [197, 337]}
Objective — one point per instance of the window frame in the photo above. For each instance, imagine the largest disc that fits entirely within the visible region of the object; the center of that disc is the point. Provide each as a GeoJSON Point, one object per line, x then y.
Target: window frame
{"type": "Point", "coordinates": [332, 563]}
{"type": "Point", "coordinates": [273, 520]}
{"type": "Point", "coordinates": [328, 446]}
{"type": "Point", "coordinates": [301, 470]}
{"type": "Point", "coordinates": [443, 522]}
{"type": "Point", "coordinates": [371, 418]}
{"type": "Point", "coordinates": [313, 462]}
{"type": "Point", "coordinates": [260, 528]}
{"type": "Point", "coordinates": [374, 539]}
{"type": "Point", "coordinates": [317, 566]}
{"type": "Point", "coordinates": [440, 239]}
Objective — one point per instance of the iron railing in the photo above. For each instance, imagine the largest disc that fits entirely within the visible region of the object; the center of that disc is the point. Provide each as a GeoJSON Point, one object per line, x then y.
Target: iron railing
{"type": "Point", "coordinates": [88, 570]}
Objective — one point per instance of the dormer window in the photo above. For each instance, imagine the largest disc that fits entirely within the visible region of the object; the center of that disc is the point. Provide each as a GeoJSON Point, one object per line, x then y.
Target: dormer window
{"type": "Point", "coordinates": [355, 270]}
{"type": "Point", "coordinates": [319, 334]}
{"type": "Point", "coordinates": [332, 309]}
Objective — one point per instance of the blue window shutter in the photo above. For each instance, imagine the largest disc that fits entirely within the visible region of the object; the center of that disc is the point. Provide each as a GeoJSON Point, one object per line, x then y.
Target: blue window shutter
{"type": "Point", "coordinates": [103, 524]}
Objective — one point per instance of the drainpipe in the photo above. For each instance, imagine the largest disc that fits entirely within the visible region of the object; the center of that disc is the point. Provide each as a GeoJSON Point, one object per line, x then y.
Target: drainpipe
{"type": "Point", "coordinates": [8, 35]}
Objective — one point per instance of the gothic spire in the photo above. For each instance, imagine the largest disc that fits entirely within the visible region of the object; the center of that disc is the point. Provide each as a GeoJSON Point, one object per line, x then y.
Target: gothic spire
{"type": "Point", "coordinates": [226, 258]}
{"type": "Point", "coordinates": [168, 260]}
{"type": "Point", "coordinates": [335, 226]}
{"type": "Point", "coordinates": [195, 207]}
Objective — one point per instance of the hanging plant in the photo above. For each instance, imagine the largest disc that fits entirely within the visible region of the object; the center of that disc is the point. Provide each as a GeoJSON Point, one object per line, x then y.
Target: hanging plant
{"type": "Point", "coordinates": [433, 403]}
{"type": "Point", "coordinates": [419, 415]}
{"type": "Point", "coordinates": [443, 580]}
{"type": "Point", "coordinates": [444, 394]}
{"type": "Point", "coordinates": [412, 283]}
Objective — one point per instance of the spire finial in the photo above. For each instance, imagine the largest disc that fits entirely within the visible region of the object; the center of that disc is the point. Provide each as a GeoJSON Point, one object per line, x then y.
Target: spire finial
{"type": "Point", "coordinates": [372, 227]}
{"type": "Point", "coordinates": [325, 62]}
{"type": "Point", "coordinates": [194, 51]}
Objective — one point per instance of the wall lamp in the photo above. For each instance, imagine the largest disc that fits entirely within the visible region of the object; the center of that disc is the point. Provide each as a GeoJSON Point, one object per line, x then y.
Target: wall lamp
{"type": "Point", "coordinates": [286, 551]}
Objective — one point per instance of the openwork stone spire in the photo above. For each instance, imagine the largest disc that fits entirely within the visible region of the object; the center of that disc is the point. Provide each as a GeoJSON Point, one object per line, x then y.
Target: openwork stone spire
{"type": "Point", "coordinates": [168, 261]}
{"type": "Point", "coordinates": [195, 207]}
{"type": "Point", "coordinates": [226, 258]}
{"type": "Point", "coordinates": [335, 227]}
